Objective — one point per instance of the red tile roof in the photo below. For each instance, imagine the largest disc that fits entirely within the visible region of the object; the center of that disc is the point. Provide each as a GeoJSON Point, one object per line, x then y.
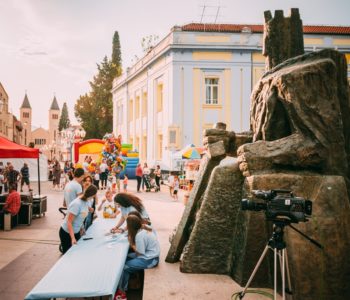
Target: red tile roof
{"type": "Point", "coordinates": [315, 29]}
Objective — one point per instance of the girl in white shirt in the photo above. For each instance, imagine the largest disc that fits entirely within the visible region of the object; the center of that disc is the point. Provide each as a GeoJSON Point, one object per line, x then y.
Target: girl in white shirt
{"type": "Point", "coordinates": [146, 253]}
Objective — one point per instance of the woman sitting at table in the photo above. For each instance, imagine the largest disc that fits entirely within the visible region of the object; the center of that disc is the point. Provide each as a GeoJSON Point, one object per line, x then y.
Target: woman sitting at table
{"type": "Point", "coordinates": [127, 203]}
{"type": "Point", "coordinates": [146, 253]}
{"type": "Point", "coordinates": [76, 214]}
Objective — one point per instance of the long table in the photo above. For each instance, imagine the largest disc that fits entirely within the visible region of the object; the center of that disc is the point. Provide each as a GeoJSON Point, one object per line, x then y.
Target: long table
{"type": "Point", "coordinates": [89, 269]}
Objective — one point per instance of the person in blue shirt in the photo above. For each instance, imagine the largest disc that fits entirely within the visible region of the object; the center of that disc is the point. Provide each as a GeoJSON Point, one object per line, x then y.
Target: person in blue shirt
{"type": "Point", "coordinates": [77, 212]}
{"type": "Point", "coordinates": [73, 188]}
{"type": "Point", "coordinates": [127, 203]}
{"type": "Point", "coordinates": [145, 255]}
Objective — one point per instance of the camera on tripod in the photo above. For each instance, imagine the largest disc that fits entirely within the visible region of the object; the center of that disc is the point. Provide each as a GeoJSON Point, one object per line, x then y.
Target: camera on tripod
{"type": "Point", "coordinates": [280, 204]}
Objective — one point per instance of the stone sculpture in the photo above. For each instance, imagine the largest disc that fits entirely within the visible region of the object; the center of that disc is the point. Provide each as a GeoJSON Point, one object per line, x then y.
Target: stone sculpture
{"type": "Point", "coordinates": [300, 141]}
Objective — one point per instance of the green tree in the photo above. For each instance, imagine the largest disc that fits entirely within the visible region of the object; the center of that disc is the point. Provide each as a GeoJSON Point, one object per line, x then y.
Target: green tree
{"type": "Point", "coordinates": [94, 110]}
{"type": "Point", "coordinates": [64, 119]}
{"type": "Point", "coordinates": [116, 53]}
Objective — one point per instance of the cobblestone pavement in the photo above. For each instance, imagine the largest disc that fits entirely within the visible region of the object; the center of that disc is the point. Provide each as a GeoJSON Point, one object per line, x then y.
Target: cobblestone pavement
{"type": "Point", "coordinates": [28, 252]}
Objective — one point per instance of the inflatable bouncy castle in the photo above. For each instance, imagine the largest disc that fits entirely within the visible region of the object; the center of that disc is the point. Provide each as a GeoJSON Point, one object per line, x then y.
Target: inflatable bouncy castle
{"type": "Point", "coordinates": [109, 148]}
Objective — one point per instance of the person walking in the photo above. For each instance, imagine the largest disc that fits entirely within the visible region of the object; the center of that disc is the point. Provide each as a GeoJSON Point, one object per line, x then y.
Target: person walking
{"type": "Point", "coordinates": [145, 172]}
{"type": "Point", "coordinates": [56, 175]}
{"type": "Point", "coordinates": [103, 174]}
{"type": "Point", "coordinates": [117, 169]}
{"type": "Point", "coordinates": [158, 174]}
{"type": "Point", "coordinates": [138, 173]}
{"type": "Point", "coordinates": [12, 176]}
{"type": "Point", "coordinates": [25, 177]}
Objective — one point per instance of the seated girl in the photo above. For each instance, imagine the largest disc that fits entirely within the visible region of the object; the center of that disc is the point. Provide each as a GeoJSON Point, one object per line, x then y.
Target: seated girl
{"type": "Point", "coordinates": [146, 251]}
{"type": "Point", "coordinates": [128, 203]}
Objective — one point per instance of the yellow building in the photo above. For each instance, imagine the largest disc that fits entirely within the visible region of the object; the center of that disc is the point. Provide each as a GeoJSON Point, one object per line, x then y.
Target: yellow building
{"type": "Point", "coordinates": [10, 127]}
{"type": "Point", "coordinates": [197, 75]}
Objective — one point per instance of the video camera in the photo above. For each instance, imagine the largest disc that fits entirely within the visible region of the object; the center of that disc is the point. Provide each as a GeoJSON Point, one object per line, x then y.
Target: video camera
{"type": "Point", "coordinates": [280, 204]}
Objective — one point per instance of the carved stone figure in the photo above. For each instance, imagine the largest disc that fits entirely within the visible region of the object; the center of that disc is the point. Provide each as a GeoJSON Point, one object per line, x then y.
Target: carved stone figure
{"type": "Point", "coordinates": [300, 141]}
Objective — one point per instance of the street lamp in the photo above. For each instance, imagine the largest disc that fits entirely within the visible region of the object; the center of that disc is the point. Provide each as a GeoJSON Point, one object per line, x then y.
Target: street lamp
{"type": "Point", "coordinates": [72, 135]}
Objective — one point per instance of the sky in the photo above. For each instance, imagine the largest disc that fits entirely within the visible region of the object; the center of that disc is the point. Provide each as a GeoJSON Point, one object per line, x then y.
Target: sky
{"type": "Point", "coordinates": [51, 47]}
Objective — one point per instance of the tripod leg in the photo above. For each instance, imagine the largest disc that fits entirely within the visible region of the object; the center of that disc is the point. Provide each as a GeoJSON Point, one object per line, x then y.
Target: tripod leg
{"type": "Point", "coordinates": [283, 274]}
{"type": "Point", "coordinates": [254, 272]}
{"type": "Point", "coordinates": [275, 274]}
{"type": "Point", "coordinates": [289, 291]}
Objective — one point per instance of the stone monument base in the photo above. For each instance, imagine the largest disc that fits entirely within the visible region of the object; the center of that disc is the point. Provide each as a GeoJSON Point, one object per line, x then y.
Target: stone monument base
{"type": "Point", "coordinates": [315, 273]}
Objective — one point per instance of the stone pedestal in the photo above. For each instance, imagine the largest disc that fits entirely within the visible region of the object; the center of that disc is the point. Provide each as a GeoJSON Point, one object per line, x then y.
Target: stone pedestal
{"type": "Point", "coordinates": [316, 273]}
{"type": "Point", "coordinates": [209, 249]}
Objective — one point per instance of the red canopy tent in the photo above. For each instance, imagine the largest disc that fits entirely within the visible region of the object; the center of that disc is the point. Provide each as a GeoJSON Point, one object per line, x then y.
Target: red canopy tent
{"type": "Point", "coordinates": [10, 149]}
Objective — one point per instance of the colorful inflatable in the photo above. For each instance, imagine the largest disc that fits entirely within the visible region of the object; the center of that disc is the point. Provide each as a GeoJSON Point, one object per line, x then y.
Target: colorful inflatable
{"type": "Point", "coordinates": [112, 150]}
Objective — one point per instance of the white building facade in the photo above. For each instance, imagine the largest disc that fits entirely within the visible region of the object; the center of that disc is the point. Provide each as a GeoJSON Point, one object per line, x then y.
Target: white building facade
{"type": "Point", "coordinates": [199, 74]}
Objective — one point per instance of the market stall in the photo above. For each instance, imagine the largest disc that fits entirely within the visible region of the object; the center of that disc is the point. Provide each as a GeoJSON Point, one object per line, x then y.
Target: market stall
{"type": "Point", "coordinates": [10, 151]}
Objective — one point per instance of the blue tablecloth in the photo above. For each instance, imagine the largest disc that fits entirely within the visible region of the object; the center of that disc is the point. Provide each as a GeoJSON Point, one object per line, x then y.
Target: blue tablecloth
{"type": "Point", "coordinates": [90, 268]}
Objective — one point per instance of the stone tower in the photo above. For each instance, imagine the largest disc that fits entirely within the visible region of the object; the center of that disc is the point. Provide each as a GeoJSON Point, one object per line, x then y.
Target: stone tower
{"type": "Point", "coordinates": [26, 120]}
{"type": "Point", "coordinates": [54, 118]}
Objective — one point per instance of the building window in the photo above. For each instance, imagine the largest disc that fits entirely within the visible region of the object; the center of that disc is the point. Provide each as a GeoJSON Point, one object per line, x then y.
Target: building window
{"type": "Point", "coordinates": [137, 144]}
{"type": "Point", "coordinates": [55, 117]}
{"type": "Point", "coordinates": [39, 141]}
{"type": "Point", "coordinates": [160, 147]}
{"type": "Point", "coordinates": [144, 105]}
{"type": "Point", "coordinates": [159, 97]}
{"type": "Point", "coordinates": [131, 110]}
{"type": "Point", "coordinates": [120, 114]}
{"type": "Point", "coordinates": [137, 107]}
{"type": "Point", "coordinates": [211, 90]}
{"type": "Point", "coordinates": [25, 114]}
{"type": "Point", "coordinates": [144, 148]}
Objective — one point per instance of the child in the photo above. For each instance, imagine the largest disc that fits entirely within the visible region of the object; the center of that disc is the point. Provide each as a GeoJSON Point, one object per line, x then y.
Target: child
{"type": "Point", "coordinates": [176, 187]}
{"type": "Point", "coordinates": [125, 183]}
{"type": "Point", "coordinates": [108, 206]}
{"type": "Point", "coordinates": [145, 256]}
{"type": "Point", "coordinates": [97, 178]}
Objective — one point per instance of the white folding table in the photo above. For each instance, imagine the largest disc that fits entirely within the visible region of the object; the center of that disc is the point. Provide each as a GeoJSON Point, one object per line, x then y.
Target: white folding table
{"type": "Point", "coordinates": [91, 268]}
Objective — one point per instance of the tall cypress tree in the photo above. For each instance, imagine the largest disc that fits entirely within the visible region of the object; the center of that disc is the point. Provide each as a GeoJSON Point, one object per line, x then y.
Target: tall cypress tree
{"type": "Point", "coordinates": [95, 110]}
{"type": "Point", "coordinates": [64, 119]}
{"type": "Point", "coordinates": [116, 54]}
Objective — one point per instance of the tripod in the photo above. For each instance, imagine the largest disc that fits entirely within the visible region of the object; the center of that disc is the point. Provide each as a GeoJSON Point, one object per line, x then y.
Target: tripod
{"type": "Point", "coordinates": [278, 246]}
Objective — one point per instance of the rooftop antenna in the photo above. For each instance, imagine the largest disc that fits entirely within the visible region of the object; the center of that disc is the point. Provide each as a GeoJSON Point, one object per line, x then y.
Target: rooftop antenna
{"type": "Point", "coordinates": [217, 14]}
{"type": "Point", "coordinates": [202, 13]}
{"type": "Point", "coordinates": [210, 12]}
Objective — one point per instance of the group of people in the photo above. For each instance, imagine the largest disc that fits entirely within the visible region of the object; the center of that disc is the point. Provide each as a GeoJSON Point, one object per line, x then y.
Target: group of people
{"type": "Point", "coordinates": [80, 197]}
{"type": "Point", "coordinates": [10, 176]}
{"type": "Point", "coordinates": [143, 176]}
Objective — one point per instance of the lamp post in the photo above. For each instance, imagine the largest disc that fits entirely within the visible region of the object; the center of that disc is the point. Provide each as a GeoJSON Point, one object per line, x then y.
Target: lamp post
{"type": "Point", "coordinates": [73, 135]}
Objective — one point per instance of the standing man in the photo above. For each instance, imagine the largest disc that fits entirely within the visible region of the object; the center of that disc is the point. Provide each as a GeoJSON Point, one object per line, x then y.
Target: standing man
{"type": "Point", "coordinates": [117, 170]}
{"type": "Point", "coordinates": [73, 188]}
{"type": "Point", "coordinates": [12, 176]}
{"type": "Point", "coordinates": [103, 174]}
{"type": "Point", "coordinates": [25, 177]}
{"type": "Point", "coordinates": [138, 173]}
